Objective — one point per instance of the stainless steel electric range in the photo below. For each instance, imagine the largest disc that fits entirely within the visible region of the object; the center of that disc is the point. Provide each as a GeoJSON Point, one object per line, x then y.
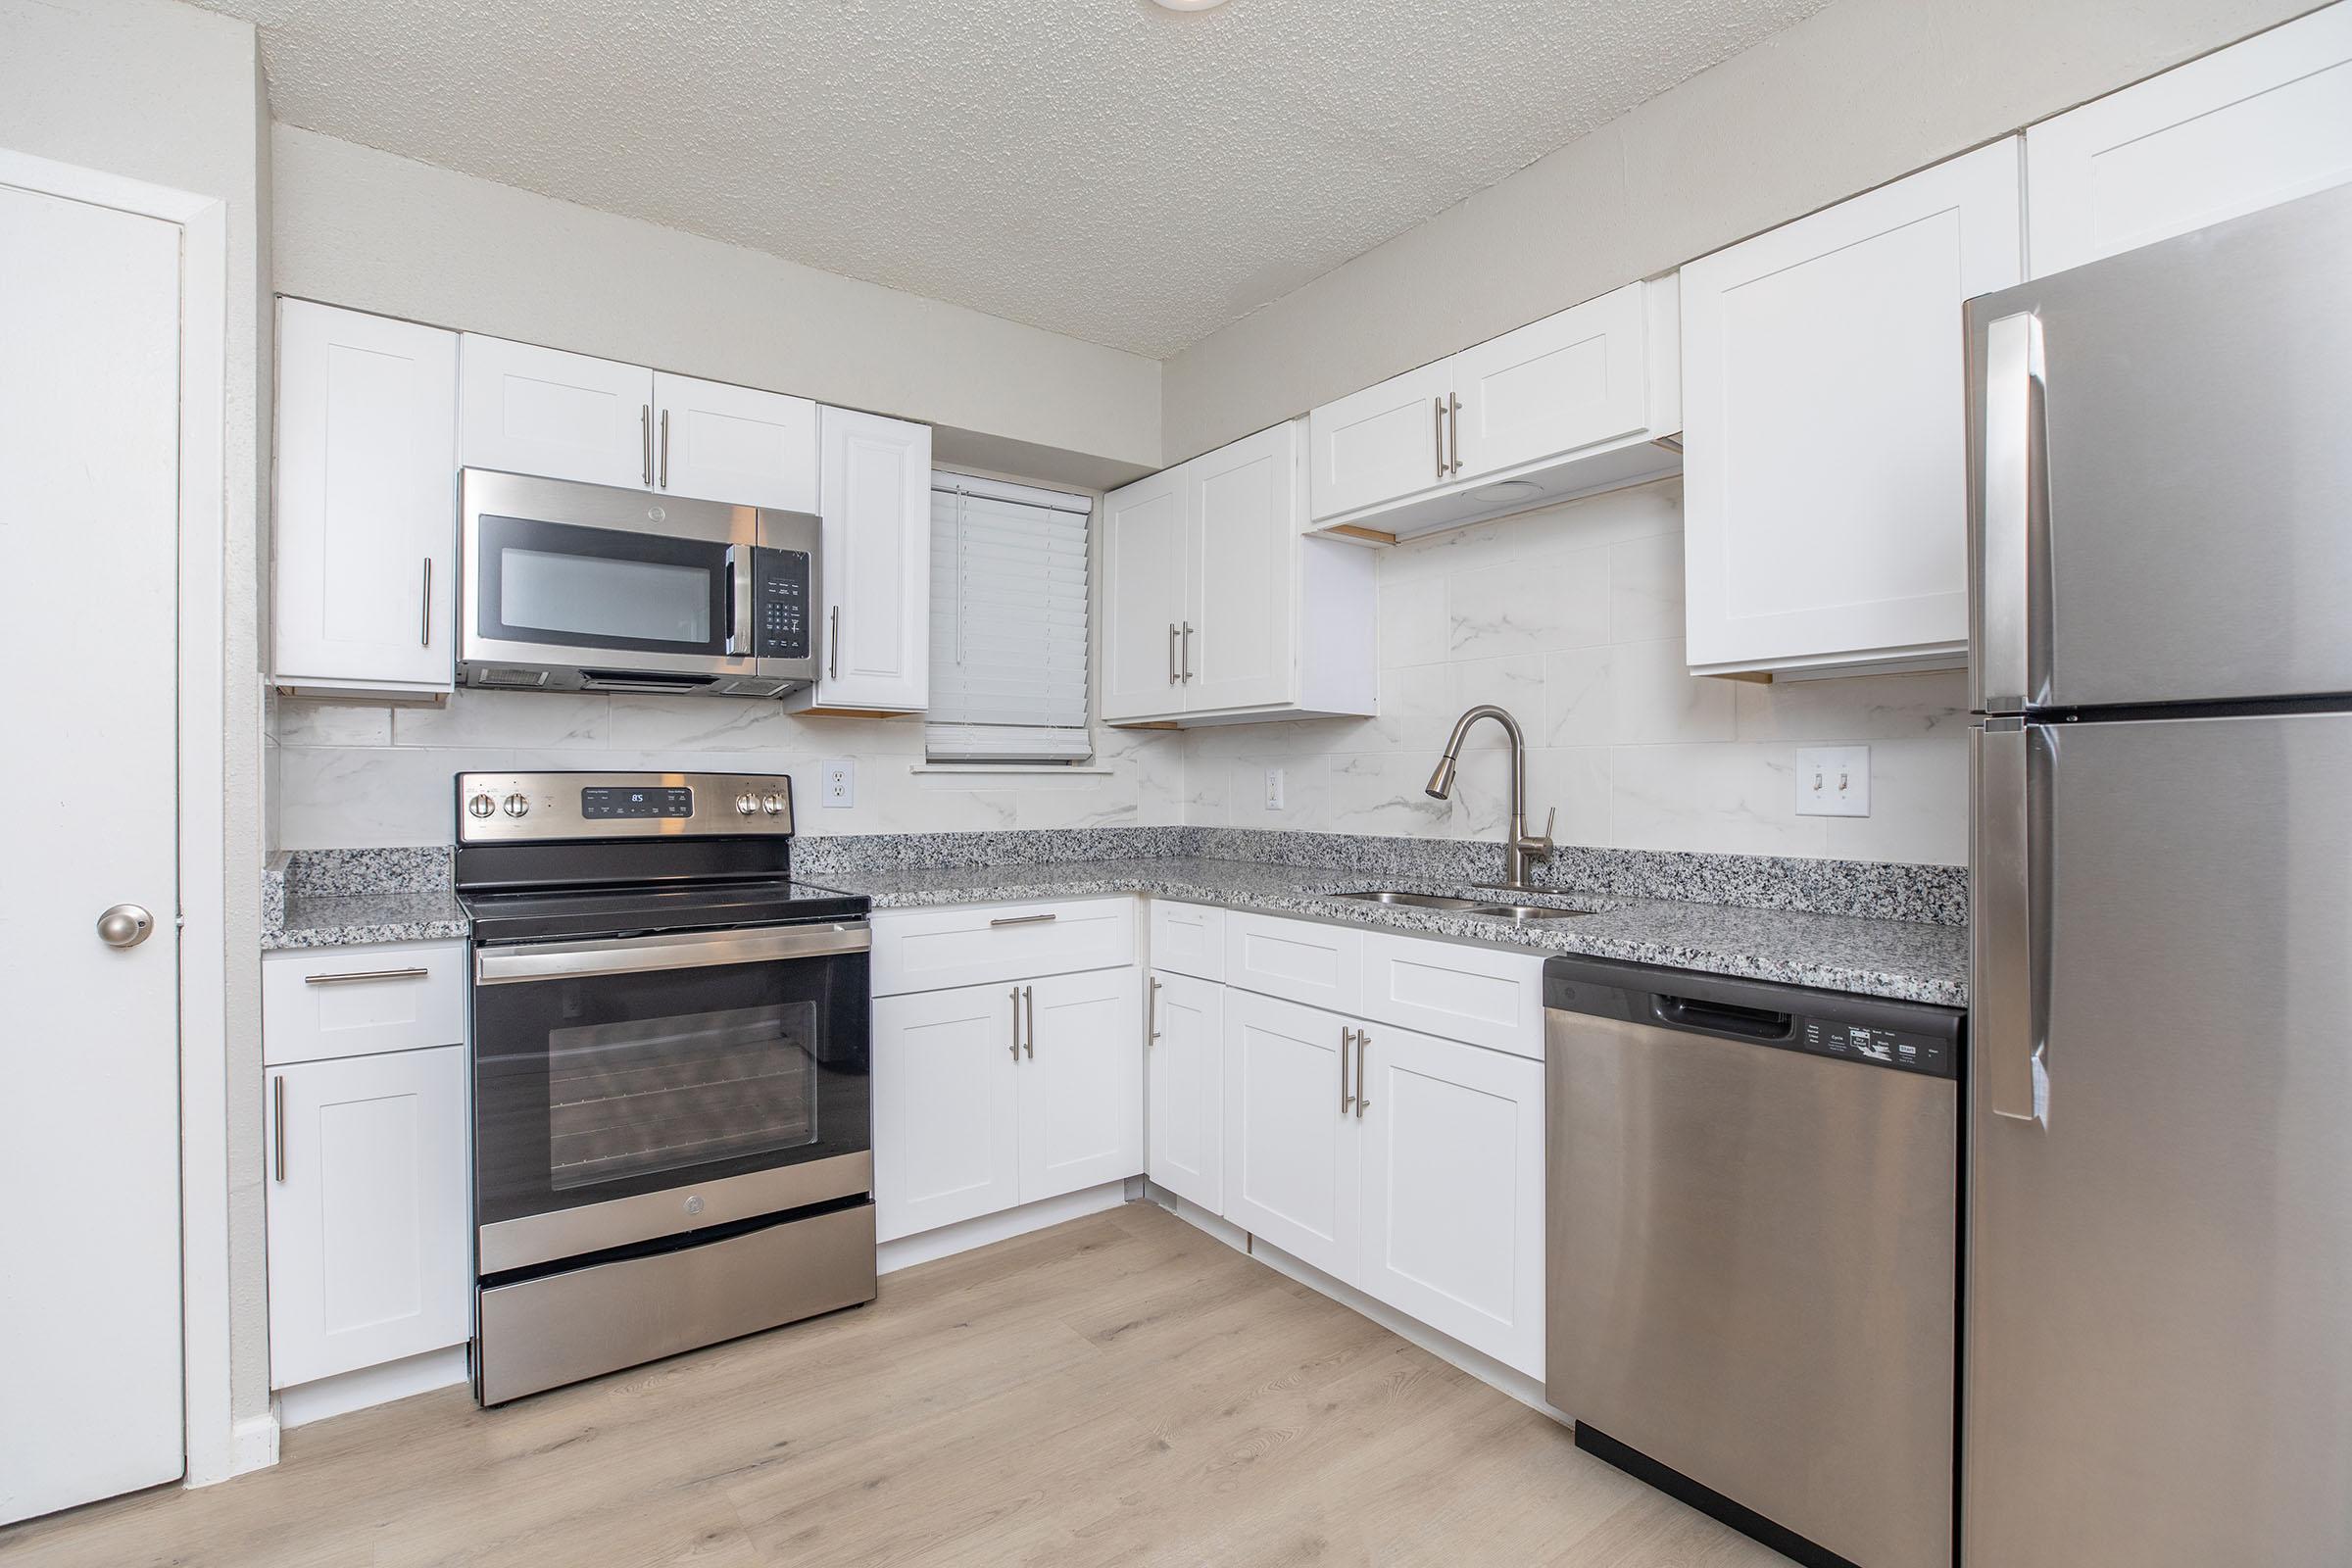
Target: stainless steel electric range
{"type": "Point", "coordinates": [672, 1127]}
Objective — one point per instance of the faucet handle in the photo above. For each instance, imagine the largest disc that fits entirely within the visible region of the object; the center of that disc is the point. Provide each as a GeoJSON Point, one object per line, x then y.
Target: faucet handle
{"type": "Point", "coordinates": [1542, 843]}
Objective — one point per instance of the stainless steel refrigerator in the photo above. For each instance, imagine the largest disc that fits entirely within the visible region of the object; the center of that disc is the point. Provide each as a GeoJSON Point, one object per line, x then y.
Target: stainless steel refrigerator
{"type": "Point", "coordinates": [2156, 1363]}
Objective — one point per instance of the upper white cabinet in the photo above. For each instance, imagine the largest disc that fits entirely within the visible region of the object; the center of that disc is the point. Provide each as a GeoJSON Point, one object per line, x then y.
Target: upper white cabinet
{"type": "Point", "coordinates": [1824, 437]}
{"type": "Point", "coordinates": [1573, 403]}
{"type": "Point", "coordinates": [529, 410]}
{"type": "Point", "coordinates": [366, 501]}
{"type": "Point", "coordinates": [874, 494]}
{"type": "Point", "coordinates": [2246, 127]}
{"type": "Point", "coordinates": [736, 444]}
{"type": "Point", "coordinates": [1215, 608]}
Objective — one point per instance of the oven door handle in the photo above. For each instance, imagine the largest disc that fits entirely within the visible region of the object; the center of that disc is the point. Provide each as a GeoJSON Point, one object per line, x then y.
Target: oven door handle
{"type": "Point", "coordinates": [700, 950]}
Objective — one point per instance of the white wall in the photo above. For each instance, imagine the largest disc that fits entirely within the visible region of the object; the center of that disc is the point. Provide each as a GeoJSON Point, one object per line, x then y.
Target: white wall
{"type": "Point", "coordinates": [1851, 97]}
{"type": "Point", "coordinates": [165, 93]}
{"type": "Point", "coordinates": [1572, 619]}
{"type": "Point", "coordinates": [378, 232]}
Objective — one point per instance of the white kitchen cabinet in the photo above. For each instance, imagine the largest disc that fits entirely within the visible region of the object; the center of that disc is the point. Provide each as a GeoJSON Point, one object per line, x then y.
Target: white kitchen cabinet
{"type": "Point", "coordinates": [1185, 1063]}
{"type": "Point", "coordinates": [1824, 435]}
{"type": "Point", "coordinates": [947, 1107]}
{"type": "Point", "coordinates": [371, 1247]}
{"type": "Point", "coordinates": [362, 1000]}
{"type": "Point", "coordinates": [1452, 1215]}
{"type": "Point", "coordinates": [1081, 1083]}
{"type": "Point", "coordinates": [522, 409]}
{"type": "Point", "coordinates": [874, 497]}
{"type": "Point", "coordinates": [735, 444]}
{"type": "Point", "coordinates": [1575, 403]}
{"type": "Point", "coordinates": [1241, 618]}
{"type": "Point", "coordinates": [1299, 961]}
{"type": "Point", "coordinates": [1292, 1153]}
{"type": "Point", "coordinates": [2246, 127]}
{"type": "Point", "coordinates": [1485, 996]}
{"type": "Point", "coordinates": [979, 944]}
{"type": "Point", "coordinates": [365, 578]}
{"type": "Point", "coordinates": [1187, 938]}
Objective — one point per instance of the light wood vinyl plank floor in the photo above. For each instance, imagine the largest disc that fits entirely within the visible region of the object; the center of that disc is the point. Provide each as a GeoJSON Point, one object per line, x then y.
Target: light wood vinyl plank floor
{"type": "Point", "coordinates": [1119, 1390]}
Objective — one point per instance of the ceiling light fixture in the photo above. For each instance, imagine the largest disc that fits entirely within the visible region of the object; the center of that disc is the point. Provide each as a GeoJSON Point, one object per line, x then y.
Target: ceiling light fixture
{"type": "Point", "coordinates": [1188, 5]}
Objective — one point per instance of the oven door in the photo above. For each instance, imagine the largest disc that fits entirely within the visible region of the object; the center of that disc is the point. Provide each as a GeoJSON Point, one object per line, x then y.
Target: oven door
{"type": "Point", "coordinates": [617, 583]}
{"type": "Point", "coordinates": [643, 1087]}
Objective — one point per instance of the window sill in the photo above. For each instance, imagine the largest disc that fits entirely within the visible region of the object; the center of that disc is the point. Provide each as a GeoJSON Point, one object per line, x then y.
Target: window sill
{"type": "Point", "coordinates": [1058, 769]}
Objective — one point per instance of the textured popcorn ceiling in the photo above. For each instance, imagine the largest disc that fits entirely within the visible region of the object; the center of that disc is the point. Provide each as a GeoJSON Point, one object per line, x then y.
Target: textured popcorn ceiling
{"type": "Point", "coordinates": [1102, 168]}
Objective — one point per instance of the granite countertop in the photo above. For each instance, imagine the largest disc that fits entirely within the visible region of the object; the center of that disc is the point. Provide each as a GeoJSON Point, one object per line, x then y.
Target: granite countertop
{"type": "Point", "coordinates": [1913, 961]}
{"type": "Point", "coordinates": [347, 919]}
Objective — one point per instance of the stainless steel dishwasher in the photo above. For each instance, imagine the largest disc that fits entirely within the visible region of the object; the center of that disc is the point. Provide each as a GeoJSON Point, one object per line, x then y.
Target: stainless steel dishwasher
{"type": "Point", "coordinates": [1752, 1251]}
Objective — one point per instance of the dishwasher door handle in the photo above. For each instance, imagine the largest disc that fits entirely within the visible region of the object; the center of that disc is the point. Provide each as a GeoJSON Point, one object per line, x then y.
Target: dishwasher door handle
{"type": "Point", "coordinates": [1721, 1018]}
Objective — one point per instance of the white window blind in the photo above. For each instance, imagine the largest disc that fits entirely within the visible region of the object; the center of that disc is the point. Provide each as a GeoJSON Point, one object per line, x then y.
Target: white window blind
{"type": "Point", "coordinates": [1007, 623]}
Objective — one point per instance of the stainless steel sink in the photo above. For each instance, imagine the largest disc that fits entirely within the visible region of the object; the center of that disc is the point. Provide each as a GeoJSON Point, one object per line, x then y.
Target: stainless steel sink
{"type": "Point", "coordinates": [1524, 913]}
{"type": "Point", "coordinates": [1418, 901]}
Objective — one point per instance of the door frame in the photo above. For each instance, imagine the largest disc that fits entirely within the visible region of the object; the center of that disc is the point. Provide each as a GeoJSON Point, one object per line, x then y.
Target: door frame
{"type": "Point", "coordinates": [214, 1447]}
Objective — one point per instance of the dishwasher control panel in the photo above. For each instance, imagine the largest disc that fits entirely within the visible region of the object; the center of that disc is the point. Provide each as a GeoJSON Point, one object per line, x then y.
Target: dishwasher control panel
{"type": "Point", "coordinates": [1890, 1048]}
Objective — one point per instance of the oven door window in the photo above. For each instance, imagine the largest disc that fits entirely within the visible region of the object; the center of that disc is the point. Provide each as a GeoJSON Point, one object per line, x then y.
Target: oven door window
{"type": "Point", "coordinates": [604, 588]}
{"type": "Point", "coordinates": [602, 1087]}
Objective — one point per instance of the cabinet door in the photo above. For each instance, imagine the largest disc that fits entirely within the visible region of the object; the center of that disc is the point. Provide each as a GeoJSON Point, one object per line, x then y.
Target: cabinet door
{"type": "Point", "coordinates": [875, 497]}
{"type": "Point", "coordinates": [1291, 1145]}
{"type": "Point", "coordinates": [366, 500]}
{"type": "Point", "coordinates": [1143, 598]}
{"type": "Point", "coordinates": [1824, 423]}
{"type": "Point", "coordinates": [1187, 938]}
{"type": "Point", "coordinates": [1380, 444]}
{"type": "Point", "coordinates": [947, 1110]}
{"type": "Point", "coordinates": [2246, 127]}
{"type": "Point", "coordinates": [1241, 579]}
{"type": "Point", "coordinates": [1082, 1089]}
{"type": "Point", "coordinates": [1453, 1190]}
{"type": "Point", "coordinates": [527, 409]}
{"type": "Point", "coordinates": [1184, 1058]}
{"type": "Point", "coordinates": [371, 1256]}
{"type": "Point", "coordinates": [1573, 380]}
{"type": "Point", "coordinates": [734, 444]}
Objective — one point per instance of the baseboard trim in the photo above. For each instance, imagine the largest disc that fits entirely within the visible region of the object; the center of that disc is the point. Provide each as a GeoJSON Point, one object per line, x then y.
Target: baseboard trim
{"type": "Point", "coordinates": [346, 1392]}
{"type": "Point", "coordinates": [904, 1251]}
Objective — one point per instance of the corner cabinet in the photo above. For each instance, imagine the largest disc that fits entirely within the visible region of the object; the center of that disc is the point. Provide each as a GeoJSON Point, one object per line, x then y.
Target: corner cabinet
{"type": "Point", "coordinates": [874, 565]}
{"type": "Point", "coordinates": [1824, 457]}
{"type": "Point", "coordinates": [363, 578]}
{"type": "Point", "coordinates": [1216, 609]}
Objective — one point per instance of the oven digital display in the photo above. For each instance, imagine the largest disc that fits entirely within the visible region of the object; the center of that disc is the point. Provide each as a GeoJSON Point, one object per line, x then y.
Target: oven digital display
{"type": "Point", "coordinates": [603, 802]}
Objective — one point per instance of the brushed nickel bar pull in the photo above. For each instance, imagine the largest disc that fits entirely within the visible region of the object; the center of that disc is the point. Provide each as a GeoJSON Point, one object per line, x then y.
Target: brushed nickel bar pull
{"type": "Point", "coordinates": [664, 449]}
{"type": "Point", "coordinates": [1171, 653]}
{"type": "Point", "coordinates": [1347, 1038]}
{"type": "Point", "coordinates": [351, 975]}
{"type": "Point", "coordinates": [424, 631]}
{"type": "Point", "coordinates": [1152, 1014]}
{"type": "Point", "coordinates": [1187, 650]}
{"type": "Point", "coordinates": [1438, 406]}
{"type": "Point", "coordinates": [1363, 1040]}
{"type": "Point", "coordinates": [833, 645]}
{"type": "Point", "coordinates": [1016, 1025]}
{"type": "Point", "coordinates": [645, 433]}
{"type": "Point", "coordinates": [1454, 433]}
{"type": "Point", "coordinates": [277, 1094]}
{"type": "Point", "coordinates": [1029, 994]}
{"type": "Point", "coordinates": [1023, 920]}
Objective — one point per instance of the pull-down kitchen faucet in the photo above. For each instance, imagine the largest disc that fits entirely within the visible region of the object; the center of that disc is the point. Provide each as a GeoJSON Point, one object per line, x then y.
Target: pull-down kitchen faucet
{"type": "Point", "coordinates": [1518, 847]}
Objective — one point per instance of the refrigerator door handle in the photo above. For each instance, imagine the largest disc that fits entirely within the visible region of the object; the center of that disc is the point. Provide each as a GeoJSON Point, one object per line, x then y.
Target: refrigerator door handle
{"type": "Point", "coordinates": [2005, 1014]}
{"type": "Point", "coordinates": [2014, 522]}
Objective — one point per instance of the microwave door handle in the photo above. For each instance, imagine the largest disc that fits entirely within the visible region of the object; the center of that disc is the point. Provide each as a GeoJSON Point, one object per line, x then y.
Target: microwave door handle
{"type": "Point", "coordinates": [738, 595]}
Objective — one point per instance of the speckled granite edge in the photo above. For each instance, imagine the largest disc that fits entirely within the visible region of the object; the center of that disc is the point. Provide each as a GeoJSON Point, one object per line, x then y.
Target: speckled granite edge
{"type": "Point", "coordinates": [401, 868]}
{"type": "Point", "coordinates": [347, 897]}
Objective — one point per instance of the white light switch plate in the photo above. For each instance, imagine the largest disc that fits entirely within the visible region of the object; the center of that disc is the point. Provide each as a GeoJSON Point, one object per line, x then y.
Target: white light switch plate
{"type": "Point", "coordinates": [1833, 781]}
{"type": "Point", "coordinates": [840, 784]}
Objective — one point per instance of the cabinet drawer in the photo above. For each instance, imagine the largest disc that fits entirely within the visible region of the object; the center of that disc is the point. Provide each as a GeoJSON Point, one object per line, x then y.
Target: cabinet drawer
{"type": "Point", "coordinates": [1297, 959]}
{"type": "Point", "coordinates": [323, 1003]}
{"type": "Point", "coordinates": [1187, 938]}
{"type": "Point", "coordinates": [933, 950]}
{"type": "Point", "coordinates": [1456, 993]}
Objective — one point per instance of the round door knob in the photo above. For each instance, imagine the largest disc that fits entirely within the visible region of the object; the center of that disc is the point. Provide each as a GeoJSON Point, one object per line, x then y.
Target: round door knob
{"type": "Point", "coordinates": [482, 805]}
{"type": "Point", "coordinates": [517, 805]}
{"type": "Point", "coordinates": [772, 805]}
{"type": "Point", "coordinates": [746, 805]}
{"type": "Point", "coordinates": [126, 925]}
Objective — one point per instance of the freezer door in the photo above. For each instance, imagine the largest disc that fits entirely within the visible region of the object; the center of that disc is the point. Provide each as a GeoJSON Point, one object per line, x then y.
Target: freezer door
{"type": "Point", "coordinates": [2161, 479]}
{"type": "Point", "coordinates": [2159, 1272]}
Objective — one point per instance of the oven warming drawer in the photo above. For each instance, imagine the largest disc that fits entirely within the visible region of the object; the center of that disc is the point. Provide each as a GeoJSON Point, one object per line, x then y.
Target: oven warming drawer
{"type": "Point", "coordinates": [560, 1327]}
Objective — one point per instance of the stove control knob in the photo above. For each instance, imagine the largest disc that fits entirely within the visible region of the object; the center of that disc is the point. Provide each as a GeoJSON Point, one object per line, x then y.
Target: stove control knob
{"type": "Point", "coordinates": [746, 805]}
{"type": "Point", "coordinates": [516, 806]}
{"type": "Point", "coordinates": [480, 805]}
{"type": "Point", "coordinates": [772, 805]}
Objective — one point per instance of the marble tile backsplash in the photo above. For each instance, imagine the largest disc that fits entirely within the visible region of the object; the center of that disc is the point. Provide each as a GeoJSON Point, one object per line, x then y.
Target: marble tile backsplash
{"type": "Point", "coordinates": [1572, 617]}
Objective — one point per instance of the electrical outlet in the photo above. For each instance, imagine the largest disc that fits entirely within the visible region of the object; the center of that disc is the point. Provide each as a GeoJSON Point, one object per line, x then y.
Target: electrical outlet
{"type": "Point", "coordinates": [840, 784]}
{"type": "Point", "coordinates": [1833, 781]}
{"type": "Point", "coordinates": [1274, 783]}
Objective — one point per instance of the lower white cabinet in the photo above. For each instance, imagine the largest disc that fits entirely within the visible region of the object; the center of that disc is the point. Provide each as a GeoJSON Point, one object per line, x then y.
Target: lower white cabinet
{"type": "Point", "coordinates": [1292, 1152]}
{"type": "Point", "coordinates": [1082, 1084]}
{"type": "Point", "coordinates": [1185, 1065]}
{"type": "Point", "coordinates": [370, 1255]}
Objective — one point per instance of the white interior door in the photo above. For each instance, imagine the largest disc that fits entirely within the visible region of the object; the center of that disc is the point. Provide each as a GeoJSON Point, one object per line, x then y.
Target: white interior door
{"type": "Point", "coordinates": [1186, 1060]}
{"type": "Point", "coordinates": [89, 1122]}
{"type": "Point", "coordinates": [1081, 1083]}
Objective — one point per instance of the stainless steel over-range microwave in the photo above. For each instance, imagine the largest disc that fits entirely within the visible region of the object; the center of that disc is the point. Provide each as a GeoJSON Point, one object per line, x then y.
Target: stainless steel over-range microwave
{"type": "Point", "coordinates": [580, 587]}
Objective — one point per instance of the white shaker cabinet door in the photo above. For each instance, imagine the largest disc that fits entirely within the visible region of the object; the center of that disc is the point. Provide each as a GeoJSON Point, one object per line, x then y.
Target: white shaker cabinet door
{"type": "Point", "coordinates": [527, 409]}
{"type": "Point", "coordinates": [366, 500]}
{"type": "Point", "coordinates": [1453, 1190]}
{"type": "Point", "coordinates": [736, 444]}
{"type": "Point", "coordinates": [1082, 1087]}
{"type": "Point", "coordinates": [371, 1248]}
{"type": "Point", "coordinates": [947, 1107]}
{"type": "Point", "coordinates": [1144, 608]}
{"type": "Point", "coordinates": [1383, 443]}
{"type": "Point", "coordinates": [1573, 379]}
{"type": "Point", "coordinates": [1824, 463]}
{"type": "Point", "coordinates": [2246, 127]}
{"type": "Point", "coordinates": [1184, 1058]}
{"type": "Point", "coordinates": [874, 494]}
{"type": "Point", "coordinates": [1291, 1142]}
{"type": "Point", "coordinates": [1241, 582]}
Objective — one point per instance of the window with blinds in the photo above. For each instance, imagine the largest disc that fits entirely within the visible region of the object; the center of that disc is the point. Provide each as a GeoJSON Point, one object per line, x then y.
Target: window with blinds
{"type": "Point", "coordinates": [1007, 623]}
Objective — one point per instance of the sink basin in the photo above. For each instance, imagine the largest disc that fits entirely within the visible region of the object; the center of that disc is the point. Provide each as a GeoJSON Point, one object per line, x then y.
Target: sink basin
{"type": "Point", "coordinates": [1524, 913]}
{"type": "Point", "coordinates": [1418, 901]}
